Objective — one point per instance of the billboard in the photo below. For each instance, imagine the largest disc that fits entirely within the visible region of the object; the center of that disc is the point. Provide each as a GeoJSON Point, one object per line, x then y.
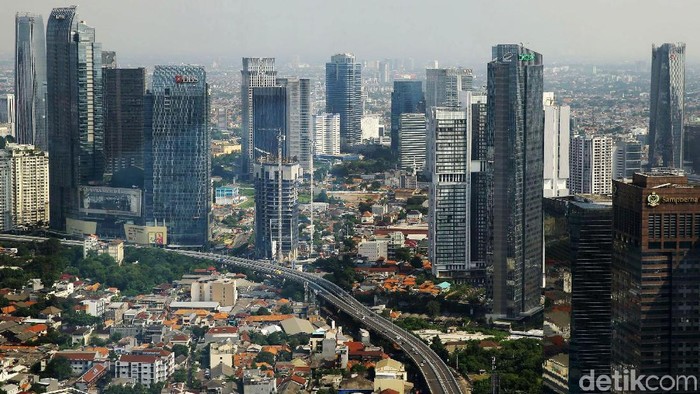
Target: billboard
{"type": "Point", "coordinates": [146, 235]}
{"type": "Point", "coordinates": [80, 227]}
{"type": "Point", "coordinates": [110, 201]}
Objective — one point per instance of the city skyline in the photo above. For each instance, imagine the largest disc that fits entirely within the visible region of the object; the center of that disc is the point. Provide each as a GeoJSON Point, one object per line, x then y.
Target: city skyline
{"type": "Point", "coordinates": [327, 29]}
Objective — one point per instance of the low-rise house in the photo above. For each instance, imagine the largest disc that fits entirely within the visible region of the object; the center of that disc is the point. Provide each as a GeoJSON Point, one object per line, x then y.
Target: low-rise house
{"type": "Point", "coordinates": [80, 362]}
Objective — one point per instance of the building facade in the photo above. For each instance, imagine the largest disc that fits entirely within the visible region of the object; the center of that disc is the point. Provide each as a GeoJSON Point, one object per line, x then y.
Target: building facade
{"type": "Point", "coordinates": [327, 133]}
{"type": "Point", "coordinates": [655, 271]}
{"type": "Point", "coordinates": [124, 91]}
{"type": "Point", "coordinates": [666, 105]}
{"type": "Point", "coordinates": [270, 121]}
{"type": "Point", "coordinates": [449, 157]}
{"type": "Point", "coordinates": [444, 87]}
{"type": "Point", "coordinates": [344, 96]}
{"type": "Point", "coordinates": [30, 80]}
{"type": "Point", "coordinates": [299, 140]}
{"type": "Point", "coordinates": [515, 126]}
{"type": "Point", "coordinates": [30, 186]}
{"type": "Point", "coordinates": [481, 182]}
{"type": "Point", "coordinates": [412, 141]}
{"type": "Point", "coordinates": [178, 163]}
{"type": "Point", "coordinates": [557, 132]}
{"type": "Point", "coordinates": [256, 72]}
{"type": "Point", "coordinates": [273, 209]}
{"type": "Point", "coordinates": [591, 165]}
{"type": "Point", "coordinates": [407, 97]}
{"type": "Point", "coordinates": [222, 290]}
{"type": "Point", "coordinates": [627, 158]}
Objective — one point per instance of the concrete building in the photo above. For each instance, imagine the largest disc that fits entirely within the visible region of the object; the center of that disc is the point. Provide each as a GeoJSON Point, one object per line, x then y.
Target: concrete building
{"type": "Point", "coordinates": [557, 133]}
{"type": "Point", "coordinates": [219, 289]}
{"type": "Point", "coordinates": [299, 138]}
{"type": "Point", "coordinates": [591, 165]}
{"type": "Point", "coordinates": [222, 353]}
{"type": "Point", "coordinates": [444, 87]}
{"type": "Point", "coordinates": [327, 133]}
{"type": "Point", "coordinates": [5, 191]}
{"type": "Point", "coordinates": [373, 250]}
{"type": "Point", "coordinates": [370, 125]}
{"type": "Point", "coordinates": [145, 368]}
{"type": "Point", "coordinates": [412, 142]}
{"type": "Point", "coordinates": [30, 185]}
{"type": "Point", "coordinates": [407, 97]}
{"type": "Point", "coordinates": [627, 158]}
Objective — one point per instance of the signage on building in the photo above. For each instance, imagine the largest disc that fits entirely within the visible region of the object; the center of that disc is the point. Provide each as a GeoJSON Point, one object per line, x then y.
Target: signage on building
{"type": "Point", "coordinates": [654, 199]}
{"type": "Point", "coordinates": [526, 57]}
{"type": "Point", "coordinates": [186, 79]}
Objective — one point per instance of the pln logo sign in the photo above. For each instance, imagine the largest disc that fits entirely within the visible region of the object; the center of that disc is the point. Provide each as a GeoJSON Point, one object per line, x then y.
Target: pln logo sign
{"type": "Point", "coordinates": [179, 79]}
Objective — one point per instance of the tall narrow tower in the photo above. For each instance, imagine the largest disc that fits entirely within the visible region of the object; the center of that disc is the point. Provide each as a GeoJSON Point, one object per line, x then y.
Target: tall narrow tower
{"type": "Point", "coordinates": [256, 72]}
{"type": "Point", "coordinates": [344, 96]}
{"type": "Point", "coordinates": [30, 80]}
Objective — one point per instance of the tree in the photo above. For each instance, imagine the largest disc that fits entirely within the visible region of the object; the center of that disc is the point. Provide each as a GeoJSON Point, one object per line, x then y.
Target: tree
{"type": "Point", "coordinates": [416, 262]}
{"type": "Point", "coordinates": [433, 308]}
{"type": "Point", "coordinates": [403, 254]}
{"type": "Point", "coordinates": [180, 375]}
{"type": "Point", "coordinates": [180, 350]}
{"type": "Point", "coordinates": [286, 309]}
{"type": "Point", "coordinates": [439, 348]}
{"type": "Point", "coordinates": [364, 207]}
{"type": "Point", "coordinates": [58, 368]}
{"type": "Point", "coordinates": [265, 357]}
{"type": "Point", "coordinates": [262, 311]}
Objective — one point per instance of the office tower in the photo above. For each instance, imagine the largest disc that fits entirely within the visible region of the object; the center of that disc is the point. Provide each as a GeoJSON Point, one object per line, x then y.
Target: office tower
{"type": "Point", "coordinates": [591, 164]}
{"type": "Point", "coordinates": [7, 113]}
{"type": "Point", "coordinates": [256, 72]}
{"type": "Point", "coordinates": [445, 86]}
{"type": "Point", "coordinates": [515, 127]}
{"type": "Point", "coordinates": [327, 133]}
{"type": "Point", "coordinates": [655, 271]}
{"type": "Point", "coordinates": [270, 121]}
{"type": "Point", "coordinates": [481, 179]}
{"type": "Point", "coordinates": [590, 224]}
{"type": "Point", "coordinates": [407, 97]}
{"type": "Point", "coordinates": [5, 191]}
{"type": "Point", "coordinates": [270, 207]}
{"type": "Point", "coordinates": [30, 80]}
{"type": "Point", "coordinates": [412, 141]}
{"type": "Point", "coordinates": [109, 59]}
{"type": "Point", "coordinates": [74, 108]}
{"type": "Point", "coordinates": [556, 149]}
{"type": "Point", "coordinates": [627, 158]}
{"type": "Point", "coordinates": [299, 123]}
{"type": "Point", "coordinates": [30, 185]}
{"type": "Point", "coordinates": [177, 163]}
{"type": "Point", "coordinates": [691, 145]}
{"type": "Point", "coordinates": [666, 105]}
{"type": "Point", "coordinates": [449, 156]}
{"type": "Point", "coordinates": [124, 90]}
{"type": "Point", "coordinates": [344, 96]}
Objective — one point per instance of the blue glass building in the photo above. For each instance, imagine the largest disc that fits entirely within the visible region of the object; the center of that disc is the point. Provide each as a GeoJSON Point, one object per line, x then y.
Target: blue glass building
{"type": "Point", "coordinates": [407, 97]}
{"type": "Point", "coordinates": [344, 96]}
{"type": "Point", "coordinates": [177, 158]}
{"type": "Point", "coordinates": [269, 119]}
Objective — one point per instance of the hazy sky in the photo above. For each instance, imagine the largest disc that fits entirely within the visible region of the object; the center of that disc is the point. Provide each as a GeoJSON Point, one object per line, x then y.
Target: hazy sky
{"type": "Point", "coordinates": [452, 31]}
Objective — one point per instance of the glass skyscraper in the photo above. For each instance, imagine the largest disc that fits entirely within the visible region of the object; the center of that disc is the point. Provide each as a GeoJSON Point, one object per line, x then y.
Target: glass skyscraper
{"type": "Point", "coordinates": [30, 80]}
{"type": "Point", "coordinates": [666, 106]}
{"type": "Point", "coordinates": [515, 119]}
{"type": "Point", "coordinates": [269, 120]}
{"type": "Point", "coordinates": [178, 164]}
{"type": "Point", "coordinates": [344, 96]}
{"type": "Point", "coordinates": [74, 108]}
{"type": "Point", "coordinates": [299, 138]}
{"type": "Point", "coordinates": [256, 72]}
{"type": "Point", "coordinates": [407, 97]}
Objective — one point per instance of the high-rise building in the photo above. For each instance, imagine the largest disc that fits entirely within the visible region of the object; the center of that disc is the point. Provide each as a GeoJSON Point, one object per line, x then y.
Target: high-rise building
{"type": "Point", "coordinates": [515, 127]}
{"type": "Point", "coordinates": [109, 59]}
{"type": "Point", "coordinates": [124, 91]}
{"type": "Point", "coordinates": [655, 271]}
{"type": "Point", "coordinates": [30, 185]}
{"type": "Point", "coordinates": [256, 72]}
{"type": "Point", "coordinates": [444, 87]}
{"type": "Point", "coordinates": [627, 158]}
{"type": "Point", "coordinates": [74, 108]}
{"type": "Point", "coordinates": [327, 133]}
{"type": "Point", "coordinates": [449, 159]}
{"type": "Point", "coordinates": [590, 237]}
{"type": "Point", "coordinates": [412, 141]}
{"type": "Point", "coordinates": [407, 97]}
{"type": "Point", "coordinates": [481, 182]}
{"type": "Point", "coordinates": [30, 80]}
{"type": "Point", "coordinates": [271, 208]}
{"type": "Point", "coordinates": [299, 138]}
{"type": "Point", "coordinates": [557, 133]}
{"type": "Point", "coordinates": [344, 96]}
{"type": "Point", "coordinates": [591, 164]}
{"type": "Point", "coordinates": [667, 102]}
{"type": "Point", "coordinates": [177, 160]}
{"type": "Point", "coordinates": [7, 113]}
{"type": "Point", "coordinates": [5, 191]}
{"type": "Point", "coordinates": [270, 120]}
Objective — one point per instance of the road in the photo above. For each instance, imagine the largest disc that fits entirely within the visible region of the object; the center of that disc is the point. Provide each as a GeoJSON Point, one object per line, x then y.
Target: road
{"type": "Point", "coordinates": [436, 373]}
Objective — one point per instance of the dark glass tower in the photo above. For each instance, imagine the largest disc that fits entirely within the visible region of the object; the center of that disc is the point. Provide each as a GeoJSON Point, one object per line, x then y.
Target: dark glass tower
{"type": "Point", "coordinates": [407, 97]}
{"type": "Point", "coordinates": [666, 106]}
{"type": "Point", "coordinates": [178, 163]}
{"type": "Point", "coordinates": [123, 110]}
{"type": "Point", "coordinates": [30, 80]}
{"type": "Point", "coordinates": [256, 72]}
{"type": "Point", "coordinates": [481, 180]}
{"type": "Point", "coordinates": [515, 122]}
{"type": "Point", "coordinates": [74, 108]}
{"type": "Point", "coordinates": [269, 120]}
{"type": "Point", "coordinates": [344, 96]}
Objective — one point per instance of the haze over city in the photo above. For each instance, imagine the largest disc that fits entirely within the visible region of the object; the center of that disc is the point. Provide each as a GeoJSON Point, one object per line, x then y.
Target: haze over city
{"type": "Point", "coordinates": [453, 32]}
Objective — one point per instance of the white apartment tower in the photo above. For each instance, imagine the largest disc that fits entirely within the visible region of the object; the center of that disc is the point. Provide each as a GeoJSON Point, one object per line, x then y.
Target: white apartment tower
{"type": "Point", "coordinates": [556, 147]}
{"type": "Point", "coordinates": [591, 165]}
{"type": "Point", "coordinates": [327, 133]}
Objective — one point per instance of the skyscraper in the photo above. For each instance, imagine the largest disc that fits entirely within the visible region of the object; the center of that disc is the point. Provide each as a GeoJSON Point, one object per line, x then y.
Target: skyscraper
{"type": "Point", "coordinates": [74, 108]}
{"type": "Point", "coordinates": [449, 158]}
{"type": "Point", "coordinates": [268, 212]}
{"type": "Point", "coordinates": [407, 97]}
{"type": "Point", "coordinates": [178, 163]}
{"type": "Point", "coordinates": [627, 158]}
{"type": "Point", "coordinates": [445, 86]}
{"type": "Point", "coordinates": [412, 141]}
{"type": "Point", "coordinates": [30, 80]}
{"type": "Point", "coordinates": [327, 133]}
{"type": "Point", "coordinates": [256, 72]}
{"type": "Point", "coordinates": [655, 271]}
{"type": "Point", "coordinates": [591, 164]}
{"type": "Point", "coordinates": [124, 91]}
{"type": "Point", "coordinates": [30, 185]}
{"type": "Point", "coordinates": [270, 120]}
{"type": "Point", "coordinates": [344, 96]}
{"type": "Point", "coordinates": [299, 123]}
{"type": "Point", "coordinates": [556, 149]}
{"type": "Point", "coordinates": [5, 191]}
{"type": "Point", "coordinates": [515, 125]}
{"type": "Point", "coordinates": [481, 182]}
{"type": "Point", "coordinates": [666, 105]}
{"type": "Point", "coordinates": [7, 112]}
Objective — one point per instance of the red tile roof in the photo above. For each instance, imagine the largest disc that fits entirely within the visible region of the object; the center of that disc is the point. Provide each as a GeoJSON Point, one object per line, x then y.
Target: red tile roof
{"type": "Point", "coordinates": [93, 374]}
{"type": "Point", "coordinates": [223, 330]}
{"type": "Point", "coordinates": [137, 358]}
{"type": "Point", "coordinates": [77, 356]}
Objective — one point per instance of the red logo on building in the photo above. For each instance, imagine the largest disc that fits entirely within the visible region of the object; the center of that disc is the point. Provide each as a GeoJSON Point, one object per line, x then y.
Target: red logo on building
{"type": "Point", "coordinates": [186, 79]}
